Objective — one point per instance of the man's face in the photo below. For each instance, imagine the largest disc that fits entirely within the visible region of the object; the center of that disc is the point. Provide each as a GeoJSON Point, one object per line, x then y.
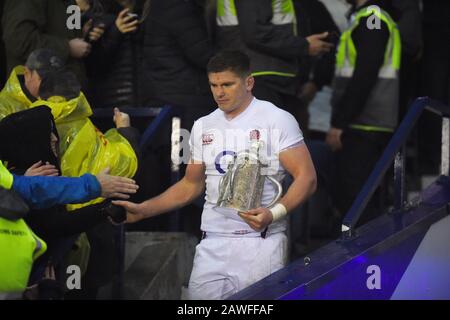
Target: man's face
{"type": "Point", "coordinates": [32, 82]}
{"type": "Point", "coordinates": [230, 91]}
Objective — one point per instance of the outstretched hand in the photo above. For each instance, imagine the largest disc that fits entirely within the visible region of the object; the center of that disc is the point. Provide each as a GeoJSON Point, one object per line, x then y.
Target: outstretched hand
{"type": "Point", "coordinates": [116, 187]}
{"type": "Point", "coordinates": [134, 212]}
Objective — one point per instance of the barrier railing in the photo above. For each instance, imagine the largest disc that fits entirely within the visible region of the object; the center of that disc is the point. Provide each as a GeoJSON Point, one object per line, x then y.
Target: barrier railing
{"type": "Point", "coordinates": [406, 244]}
{"type": "Point", "coordinates": [395, 151]}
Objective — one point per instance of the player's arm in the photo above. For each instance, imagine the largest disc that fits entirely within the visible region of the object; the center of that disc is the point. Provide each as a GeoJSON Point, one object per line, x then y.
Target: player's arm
{"type": "Point", "coordinates": [297, 161]}
{"type": "Point", "coordinates": [180, 194]}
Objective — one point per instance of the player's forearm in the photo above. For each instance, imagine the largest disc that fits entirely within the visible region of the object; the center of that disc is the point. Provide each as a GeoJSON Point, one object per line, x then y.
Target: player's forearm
{"type": "Point", "coordinates": [177, 196]}
{"type": "Point", "coordinates": [303, 186]}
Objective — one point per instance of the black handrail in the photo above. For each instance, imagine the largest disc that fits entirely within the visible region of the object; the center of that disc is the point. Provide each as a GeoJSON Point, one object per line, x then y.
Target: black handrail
{"type": "Point", "coordinates": [395, 149]}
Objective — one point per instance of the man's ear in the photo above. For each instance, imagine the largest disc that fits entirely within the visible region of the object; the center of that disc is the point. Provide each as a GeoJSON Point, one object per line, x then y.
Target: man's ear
{"type": "Point", "coordinates": [31, 73]}
{"type": "Point", "coordinates": [37, 75]}
{"type": "Point", "coordinates": [250, 82]}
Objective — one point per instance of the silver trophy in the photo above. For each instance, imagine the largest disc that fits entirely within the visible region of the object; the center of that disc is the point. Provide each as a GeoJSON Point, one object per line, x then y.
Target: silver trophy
{"type": "Point", "coordinates": [241, 188]}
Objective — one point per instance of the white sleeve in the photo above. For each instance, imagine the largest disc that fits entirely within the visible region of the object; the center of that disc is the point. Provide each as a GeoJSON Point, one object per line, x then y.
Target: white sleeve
{"type": "Point", "coordinates": [290, 133]}
{"type": "Point", "coordinates": [195, 142]}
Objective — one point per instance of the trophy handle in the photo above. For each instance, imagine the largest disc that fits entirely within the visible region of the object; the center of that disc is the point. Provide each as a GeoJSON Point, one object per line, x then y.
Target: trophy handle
{"type": "Point", "coordinates": [231, 182]}
{"type": "Point", "coordinates": [221, 182]}
{"type": "Point", "coordinates": [279, 193]}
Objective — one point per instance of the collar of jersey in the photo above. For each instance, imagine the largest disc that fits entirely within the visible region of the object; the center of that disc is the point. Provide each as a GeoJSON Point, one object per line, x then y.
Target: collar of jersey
{"type": "Point", "coordinates": [243, 113]}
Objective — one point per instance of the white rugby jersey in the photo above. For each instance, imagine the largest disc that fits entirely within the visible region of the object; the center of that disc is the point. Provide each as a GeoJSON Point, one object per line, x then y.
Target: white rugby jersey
{"type": "Point", "coordinates": [215, 140]}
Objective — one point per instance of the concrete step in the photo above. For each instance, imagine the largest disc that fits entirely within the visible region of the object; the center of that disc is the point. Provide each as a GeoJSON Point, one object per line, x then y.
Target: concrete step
{"type": "Point", "coordinates": [427, 180]}
{"type": "Point", "coordinates": [157, 264]}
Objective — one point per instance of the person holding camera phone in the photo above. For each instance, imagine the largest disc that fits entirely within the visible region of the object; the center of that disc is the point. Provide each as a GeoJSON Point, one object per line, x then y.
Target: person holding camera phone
{"type": "Point", "coordinates": [127, 21]}
{"type": "Point", "coordinates": [314, 72]}
{"type": "Point", "coordinates": [91, 20]}
{"type": "Point", "coordinates": [94, 15]}
{"type": "Point", "coordinates": [112, 66]}
{"type": "Point", "coordinates": [28, 25]}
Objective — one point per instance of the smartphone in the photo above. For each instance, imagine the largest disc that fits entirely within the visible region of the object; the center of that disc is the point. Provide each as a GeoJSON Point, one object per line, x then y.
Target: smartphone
{"type": "Point", "coordinates": [133, 15]}
{"type": "Point", "coordinates": [96, 23]}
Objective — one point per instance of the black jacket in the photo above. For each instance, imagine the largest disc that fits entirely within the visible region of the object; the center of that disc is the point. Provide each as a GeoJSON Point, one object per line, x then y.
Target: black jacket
{"type": "Point", "coordinates": [176, 50]}
{"type": "Point", "coordinates": [408, 17]}
{"type": "Point", "coordinates": [2, 52]}
{"type": "Point", "coordinates": [436, 12]}
{"type": "Point", "coordinates": [270, 47]}
{"type": "Point", "coordinates": [163, 62]}
{"type": "Point", "coordinates": [113, 68]}
{"type": "Point", "coordinates": [32, 24]}
{"type": "Point", "coordinates": [313, 18]}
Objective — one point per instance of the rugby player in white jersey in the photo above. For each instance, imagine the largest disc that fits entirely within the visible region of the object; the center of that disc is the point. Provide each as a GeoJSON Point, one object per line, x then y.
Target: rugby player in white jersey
{"type": "Point", "coordinates": [238, 248]}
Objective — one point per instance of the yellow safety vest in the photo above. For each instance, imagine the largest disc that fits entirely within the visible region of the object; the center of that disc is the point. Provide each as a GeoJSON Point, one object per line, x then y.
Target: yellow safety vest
{"type": "Point", "coordinates": [19, 248]}
{"type": "Point", "coordinates": [283, 12]}
{"type": "Point", "coordinates": [6, 178]}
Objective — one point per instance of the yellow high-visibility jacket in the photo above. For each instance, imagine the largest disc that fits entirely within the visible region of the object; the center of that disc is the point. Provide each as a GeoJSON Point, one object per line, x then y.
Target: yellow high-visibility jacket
{"type": "Point", "coordinates": [83, 148]}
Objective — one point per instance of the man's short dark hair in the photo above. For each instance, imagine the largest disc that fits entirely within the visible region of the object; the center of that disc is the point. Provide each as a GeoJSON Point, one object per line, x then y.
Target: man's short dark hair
{"type": "Point", "coordinates": [230, 60]}
{"type": "Point", "coordinates": [60, 83]}
{"type": "Point", "coordinates": [44, 61]}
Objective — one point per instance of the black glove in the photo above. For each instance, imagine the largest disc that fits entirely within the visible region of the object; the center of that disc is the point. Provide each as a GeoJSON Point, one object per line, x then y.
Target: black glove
{"type": "Point", "coordinates": [116, 213]}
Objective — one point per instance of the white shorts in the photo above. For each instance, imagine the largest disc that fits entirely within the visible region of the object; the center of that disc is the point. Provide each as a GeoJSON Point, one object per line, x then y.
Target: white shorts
{"type": "Point", "coordinates": [226, 265]}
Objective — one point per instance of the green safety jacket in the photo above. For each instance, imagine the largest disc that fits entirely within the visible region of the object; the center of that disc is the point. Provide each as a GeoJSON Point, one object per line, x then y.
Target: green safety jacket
{"type": "Point", "coordinates": [19, 248]}
{"type": "Point", "coordinates": [6, 178]}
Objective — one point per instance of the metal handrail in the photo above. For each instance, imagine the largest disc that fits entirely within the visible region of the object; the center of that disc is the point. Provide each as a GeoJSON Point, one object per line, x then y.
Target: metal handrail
{"type": "Point", "coordinates": [161, 114]}
{"type": "Point", "coordinates": [133, 112]}
{"type": "Point", "coordinates": [395, 150]}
